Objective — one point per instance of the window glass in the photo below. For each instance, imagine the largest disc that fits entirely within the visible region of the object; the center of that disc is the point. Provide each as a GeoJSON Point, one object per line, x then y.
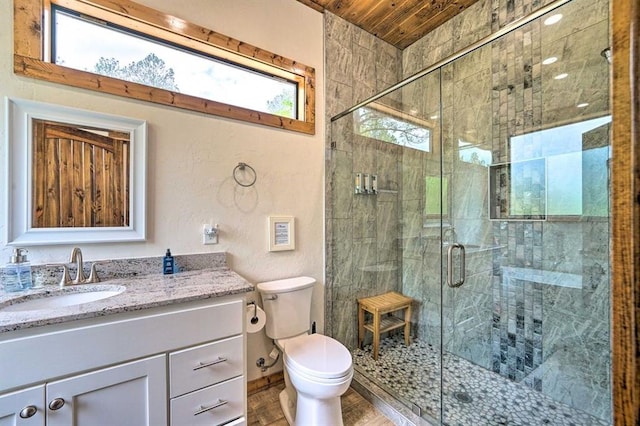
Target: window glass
{"type": "Point", "coordinates": [569, 155]}
{"type": "Point", "coordinates": [112, 51]}
{"type": "Point", "coordinates": [397, 128]}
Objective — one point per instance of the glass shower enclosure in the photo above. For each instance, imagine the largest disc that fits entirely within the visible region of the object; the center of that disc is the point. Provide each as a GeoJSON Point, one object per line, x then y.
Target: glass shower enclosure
{"type": "Point", "coordinates": [480, 189]}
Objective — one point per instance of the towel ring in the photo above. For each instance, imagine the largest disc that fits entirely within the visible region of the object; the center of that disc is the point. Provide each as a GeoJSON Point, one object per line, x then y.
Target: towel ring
{"type": "Point", "coordinates": [242, 167]}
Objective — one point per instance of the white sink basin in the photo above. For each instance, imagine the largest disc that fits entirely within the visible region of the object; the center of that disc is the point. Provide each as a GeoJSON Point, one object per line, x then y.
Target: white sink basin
{"type": "Point", "coordinates": [61, 298]}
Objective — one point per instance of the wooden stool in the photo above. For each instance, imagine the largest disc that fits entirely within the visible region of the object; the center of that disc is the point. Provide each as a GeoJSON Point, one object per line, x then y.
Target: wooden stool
{"type": "Point", "coordinates": [378, 306]}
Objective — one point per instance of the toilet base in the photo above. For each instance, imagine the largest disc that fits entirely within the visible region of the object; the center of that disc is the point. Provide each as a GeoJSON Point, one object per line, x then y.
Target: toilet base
{"type": "Point", "coordinates": [288, 407]}
{"type": "Point", "coordinates": [318, 412]}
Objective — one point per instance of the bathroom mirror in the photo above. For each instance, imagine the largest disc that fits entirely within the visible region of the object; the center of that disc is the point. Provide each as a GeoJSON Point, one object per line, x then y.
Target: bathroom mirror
{"type": "Point", "coordinates": [74, 176]}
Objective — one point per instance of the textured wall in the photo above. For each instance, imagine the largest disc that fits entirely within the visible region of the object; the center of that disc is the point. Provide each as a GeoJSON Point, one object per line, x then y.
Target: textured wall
{"type": "Point", "coordinates": [191, 157]}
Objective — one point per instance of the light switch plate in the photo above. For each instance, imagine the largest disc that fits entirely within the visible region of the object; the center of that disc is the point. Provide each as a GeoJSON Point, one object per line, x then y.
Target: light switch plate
{"type": "Point", "coordinates": [210, 234]}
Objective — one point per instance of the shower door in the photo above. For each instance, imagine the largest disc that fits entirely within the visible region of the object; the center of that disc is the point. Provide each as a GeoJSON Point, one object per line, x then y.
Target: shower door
{"type": "Point", "coordinates": [480, 190]}
{"type": "Point", "coordinates": [525, 300]}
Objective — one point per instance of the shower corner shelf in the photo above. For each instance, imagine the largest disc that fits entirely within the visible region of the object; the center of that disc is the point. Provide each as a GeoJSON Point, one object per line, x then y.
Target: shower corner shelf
{"type": "Point", "coordinates": [378, 306]}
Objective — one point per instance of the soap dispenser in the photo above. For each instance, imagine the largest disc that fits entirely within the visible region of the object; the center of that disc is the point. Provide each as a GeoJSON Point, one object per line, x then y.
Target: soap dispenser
{"type": "Point", "coordinates": [17, 273]}
{"type": "Point", "coordinates": [168, 263]}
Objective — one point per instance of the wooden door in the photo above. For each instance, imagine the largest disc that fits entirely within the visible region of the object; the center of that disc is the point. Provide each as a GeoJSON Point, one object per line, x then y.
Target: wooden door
{"type": "Point", "coordinates": [80, 176]}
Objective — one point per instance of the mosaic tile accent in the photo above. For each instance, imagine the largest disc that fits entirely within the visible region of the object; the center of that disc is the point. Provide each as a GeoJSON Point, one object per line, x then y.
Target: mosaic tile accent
{"type": "Point", "coordinates": [471, 395]}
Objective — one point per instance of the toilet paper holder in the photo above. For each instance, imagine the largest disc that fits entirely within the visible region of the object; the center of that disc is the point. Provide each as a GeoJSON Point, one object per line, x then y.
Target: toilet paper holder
{"type": "Point", "coordinates": [254, 318]}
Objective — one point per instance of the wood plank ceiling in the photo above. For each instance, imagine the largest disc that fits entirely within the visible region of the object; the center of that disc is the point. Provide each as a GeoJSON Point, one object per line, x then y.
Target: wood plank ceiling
{"type": "Point", "coordinates": [398, 22]}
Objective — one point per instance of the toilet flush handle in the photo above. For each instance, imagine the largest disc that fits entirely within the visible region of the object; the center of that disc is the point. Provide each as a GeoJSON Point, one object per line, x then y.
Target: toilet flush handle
{"type": "Point", "coordinates": [272, 297]}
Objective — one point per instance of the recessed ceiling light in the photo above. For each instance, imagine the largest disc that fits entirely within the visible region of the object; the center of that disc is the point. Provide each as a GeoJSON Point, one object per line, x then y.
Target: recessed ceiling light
{"type": "Point", "coordinates": [561, 76]}
{"type": "Point", "coordinates": [583, 105]}
{"type": "Point", "coordinates": [553, 19]}
{"type": "Point", "coordinates": [549, 60]}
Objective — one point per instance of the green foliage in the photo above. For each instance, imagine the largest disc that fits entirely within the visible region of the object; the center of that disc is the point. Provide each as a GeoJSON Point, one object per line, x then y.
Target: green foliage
{"type": "Point", "coordinates": [150, 71]}
{"type": "Point", "coordinates": [282, 105]}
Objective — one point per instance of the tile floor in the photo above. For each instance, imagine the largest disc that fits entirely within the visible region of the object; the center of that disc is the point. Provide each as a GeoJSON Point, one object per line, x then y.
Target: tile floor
{"type": "Point", "coordinates": [264, 409]}
{"type": "Point", "coordinates": [473, 396]}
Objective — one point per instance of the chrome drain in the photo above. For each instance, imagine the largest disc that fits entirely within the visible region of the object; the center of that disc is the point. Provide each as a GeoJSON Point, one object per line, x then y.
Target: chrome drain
{"type": "Point", "coordinates": [463, 397]}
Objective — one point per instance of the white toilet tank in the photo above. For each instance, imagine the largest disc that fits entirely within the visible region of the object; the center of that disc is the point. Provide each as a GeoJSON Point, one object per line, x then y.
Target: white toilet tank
{"type": "Point", "coordinates": [287, 304]}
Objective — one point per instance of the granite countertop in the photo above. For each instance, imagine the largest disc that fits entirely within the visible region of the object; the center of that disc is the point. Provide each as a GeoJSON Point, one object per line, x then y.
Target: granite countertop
{"type": "Point", "coordinates": [142, 292]}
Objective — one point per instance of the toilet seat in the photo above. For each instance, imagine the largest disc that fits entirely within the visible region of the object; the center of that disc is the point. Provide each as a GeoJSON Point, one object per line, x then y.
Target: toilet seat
{"type": "Point", "coordinates": [318, 357]}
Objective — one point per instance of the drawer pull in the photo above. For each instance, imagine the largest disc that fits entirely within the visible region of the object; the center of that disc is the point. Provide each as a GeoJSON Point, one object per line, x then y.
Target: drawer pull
{"type": "Point", "coordinates": [209, 364]}
{"type": "Point", "coordinates": [56, 404]}
{"type": "Point", "coordinates": [204, 409]}
{"type": "Point", "coordinates": [28, 411]}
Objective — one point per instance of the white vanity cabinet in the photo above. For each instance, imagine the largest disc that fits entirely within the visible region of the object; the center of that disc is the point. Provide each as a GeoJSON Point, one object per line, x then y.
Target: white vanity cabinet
{"type": "Point", "coordinates": [153, 367]}
{"type": "Point", "coordinates": [24, 407]}
{"type": "Point", "coordinates": [207, 383]}
{"type": "Point", "coordinates": [128, 394]}
{"type": "Point", "coordinates": [121, 395]}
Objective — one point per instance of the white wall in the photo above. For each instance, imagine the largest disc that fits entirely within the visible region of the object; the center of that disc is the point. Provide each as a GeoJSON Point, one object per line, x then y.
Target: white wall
{"type": "Point", "coordinates": [191, 157]}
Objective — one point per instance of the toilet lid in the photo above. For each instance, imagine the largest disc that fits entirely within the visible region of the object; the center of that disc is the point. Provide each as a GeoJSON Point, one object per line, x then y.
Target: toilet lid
{"type": "Point", "coordinates": [318, 356]}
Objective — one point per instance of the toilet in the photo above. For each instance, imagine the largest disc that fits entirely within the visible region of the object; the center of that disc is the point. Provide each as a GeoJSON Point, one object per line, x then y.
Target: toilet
{"type": "Point", "coordinates": [317, 368]}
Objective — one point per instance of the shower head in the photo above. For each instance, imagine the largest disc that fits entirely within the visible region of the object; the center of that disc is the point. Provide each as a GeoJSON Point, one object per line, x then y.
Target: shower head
{"type": "Point", "coordinates": [606, 54]}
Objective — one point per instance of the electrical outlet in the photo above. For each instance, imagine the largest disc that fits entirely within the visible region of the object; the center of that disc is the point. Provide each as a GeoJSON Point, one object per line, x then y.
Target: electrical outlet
{"type": "Point", "coordinates": [210, 234]}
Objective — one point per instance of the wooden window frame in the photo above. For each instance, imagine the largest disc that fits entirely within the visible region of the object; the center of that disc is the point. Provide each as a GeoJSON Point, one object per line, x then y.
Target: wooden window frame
{"type": "Point", "coordinates": [31, 59]}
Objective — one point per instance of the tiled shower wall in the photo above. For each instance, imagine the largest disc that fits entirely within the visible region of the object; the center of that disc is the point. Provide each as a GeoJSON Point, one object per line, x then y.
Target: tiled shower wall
{"type": "Point", "coordinates": [361, 231]}
{"type": "Point", "coordinates": [554, 339]}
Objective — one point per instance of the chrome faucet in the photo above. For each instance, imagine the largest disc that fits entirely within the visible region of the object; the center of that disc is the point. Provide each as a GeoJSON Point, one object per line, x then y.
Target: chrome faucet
{"type": "Point", "coordinates": [76, 256]}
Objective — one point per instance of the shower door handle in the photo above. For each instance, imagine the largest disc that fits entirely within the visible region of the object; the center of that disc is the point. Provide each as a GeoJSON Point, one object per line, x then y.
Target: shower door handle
{"type": "Point", "coordinates": [450, 250]}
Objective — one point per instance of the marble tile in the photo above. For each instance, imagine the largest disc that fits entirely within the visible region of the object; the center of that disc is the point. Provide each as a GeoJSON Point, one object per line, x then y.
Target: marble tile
{"type": "Point", "coordinates": [576, 16]}
{"type": "Point", "coordinates": [388, 65]}
{"type": "Point", "coordinates": [412, 175]}
{"type": "Point", "coordinates": [338, 29]}
{"type": "Point", "coordinates": [387, 231]}
{"type": "Point", "coordinates": [342, 250]}
{"type": "Point", "coordinates": [362, 68]}
{"type": "Point", "coordinates": [342, 185]}
{"type": "Point", "coordinates": [472, 25]}
{"type": "Point", "coordinates": [435, 46]}
{"type": "Point", "coordinates": [342, 60]}
{"type": "Point", "coordinates": [339, 98]}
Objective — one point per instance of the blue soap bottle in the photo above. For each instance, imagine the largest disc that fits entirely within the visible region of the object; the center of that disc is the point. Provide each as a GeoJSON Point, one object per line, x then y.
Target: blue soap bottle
{"type": "Point", "coordinates": [167, 263]}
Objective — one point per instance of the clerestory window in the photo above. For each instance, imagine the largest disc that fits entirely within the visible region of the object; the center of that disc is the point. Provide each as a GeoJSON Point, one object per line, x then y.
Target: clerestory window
{"type": "Point", "coordinates": [131, 50]}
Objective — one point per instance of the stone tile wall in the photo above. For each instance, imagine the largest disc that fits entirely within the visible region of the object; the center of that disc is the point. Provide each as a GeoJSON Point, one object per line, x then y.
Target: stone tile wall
{"type": "Point", "coordinates": [484, 98]}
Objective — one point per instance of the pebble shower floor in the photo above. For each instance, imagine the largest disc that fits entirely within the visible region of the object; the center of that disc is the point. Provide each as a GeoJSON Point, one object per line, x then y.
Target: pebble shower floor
{"type": "Point", "coordinates": [473, 396]}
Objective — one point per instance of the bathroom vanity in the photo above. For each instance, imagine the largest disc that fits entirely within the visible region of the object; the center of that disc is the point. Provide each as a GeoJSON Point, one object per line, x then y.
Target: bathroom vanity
{"type": "Point", "coordinates": [169, 350]}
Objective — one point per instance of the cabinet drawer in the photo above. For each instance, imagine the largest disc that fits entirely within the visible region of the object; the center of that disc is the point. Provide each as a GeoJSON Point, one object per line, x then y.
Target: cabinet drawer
{"type": "Point", "coordinates": [147, 332]}
{"type": "Point", "coordinates": [225, 400]}
{"type": "Point", "coordinates": [205, 365]}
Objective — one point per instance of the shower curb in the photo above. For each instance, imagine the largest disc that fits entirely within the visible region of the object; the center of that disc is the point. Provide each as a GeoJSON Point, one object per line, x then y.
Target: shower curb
{"type": "Point", "coordinates": [395, 411]}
